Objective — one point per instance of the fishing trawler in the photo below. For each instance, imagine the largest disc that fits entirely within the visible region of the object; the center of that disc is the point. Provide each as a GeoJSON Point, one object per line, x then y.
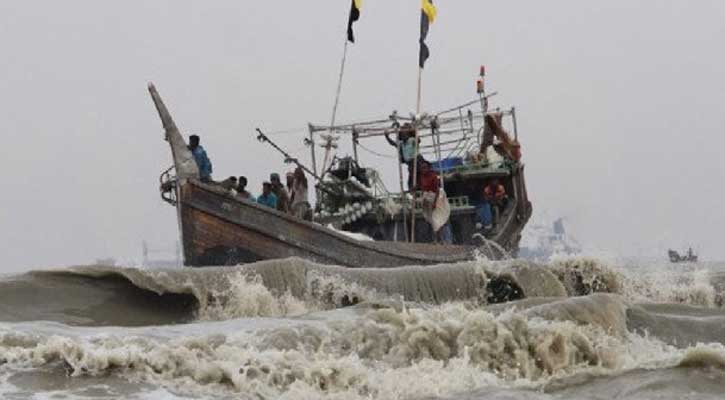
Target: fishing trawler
{"type": "Point", "coordinates": [219, 228]}
{"type": "Point", "coordinates": [467, 146]}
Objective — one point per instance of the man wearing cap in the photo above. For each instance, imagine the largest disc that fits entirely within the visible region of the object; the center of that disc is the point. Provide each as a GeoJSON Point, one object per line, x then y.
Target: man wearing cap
{"type": "Point", "coordinates": [267, 198]}
{"type": "Point", "coordinates": [280, 192]}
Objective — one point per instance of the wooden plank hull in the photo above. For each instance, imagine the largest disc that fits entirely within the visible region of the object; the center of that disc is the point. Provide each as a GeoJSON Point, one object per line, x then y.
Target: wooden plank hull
{"type": "Point", "coordinates": [219, 229]}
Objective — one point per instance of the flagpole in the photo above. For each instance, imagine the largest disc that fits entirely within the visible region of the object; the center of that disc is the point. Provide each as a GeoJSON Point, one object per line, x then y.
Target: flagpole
{"type": "Point", "coordinates": [420, 78]}
{"type": "Point", "coordinates": [415, 159]}
{"type": "Point", "coordinates": [339, 84]}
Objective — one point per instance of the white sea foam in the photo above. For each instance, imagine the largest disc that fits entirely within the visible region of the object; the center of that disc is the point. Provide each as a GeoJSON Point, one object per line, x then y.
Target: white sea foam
{"type": "Point", "coordinates": [275, 330]}
{"type": "Point", "coordinates": [411, 353]}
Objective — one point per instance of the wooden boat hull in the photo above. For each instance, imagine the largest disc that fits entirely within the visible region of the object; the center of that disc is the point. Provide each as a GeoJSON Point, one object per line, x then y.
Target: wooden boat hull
{"type": "Point", "coordinates": [219, 229]}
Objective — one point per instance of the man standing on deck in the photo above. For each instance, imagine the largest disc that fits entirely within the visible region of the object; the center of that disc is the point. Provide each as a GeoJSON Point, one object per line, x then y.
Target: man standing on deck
{"type": "Point", "coordinates": [267, 198]}
{"type": "Point", "coordinates": [429, 183]}
{"type": "Point", "coordinates": [202, 161]}
{"type": "Point", "coordinates": [280, 192]}
{"type": "Point", "coordinates": [406, 148]}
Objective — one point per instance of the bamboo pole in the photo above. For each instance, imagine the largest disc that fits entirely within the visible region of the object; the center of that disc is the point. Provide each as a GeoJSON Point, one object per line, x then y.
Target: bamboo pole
{"type": "Point", "coordinates": [415, 160]}
{"type": "Point", "coordinates": [312, 148]}
{"type": "Point", "coordinates": [404, 198]}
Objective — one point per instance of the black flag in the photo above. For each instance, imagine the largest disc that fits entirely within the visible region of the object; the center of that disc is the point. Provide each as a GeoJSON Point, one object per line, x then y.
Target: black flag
{"type": "Point", "coordinates": [427, 16]}
{"type": "Point", "coordinates": [354, 16]}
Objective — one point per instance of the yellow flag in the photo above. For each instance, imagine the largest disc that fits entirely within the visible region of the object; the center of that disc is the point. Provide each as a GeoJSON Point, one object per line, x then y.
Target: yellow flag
{"type": "Point", "coordinates": [430, 10]}
{"type": "Point", "coordinates": [358, 4]}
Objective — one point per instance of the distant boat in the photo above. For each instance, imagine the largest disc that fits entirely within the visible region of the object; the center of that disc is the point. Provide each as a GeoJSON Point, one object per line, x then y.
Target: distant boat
{"type": "Point", "coordinates": [689, 257]}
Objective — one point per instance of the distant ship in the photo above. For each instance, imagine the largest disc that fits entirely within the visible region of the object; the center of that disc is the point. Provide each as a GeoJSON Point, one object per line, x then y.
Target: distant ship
{"type": "Point", "coordinates": [689, 257]}
{"type": "Point", "coordinates": [547, 239]}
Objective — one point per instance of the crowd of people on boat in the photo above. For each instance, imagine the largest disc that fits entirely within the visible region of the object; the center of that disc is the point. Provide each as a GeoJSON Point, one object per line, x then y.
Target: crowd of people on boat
{"type": "Point", "coordinates": [291, 197]}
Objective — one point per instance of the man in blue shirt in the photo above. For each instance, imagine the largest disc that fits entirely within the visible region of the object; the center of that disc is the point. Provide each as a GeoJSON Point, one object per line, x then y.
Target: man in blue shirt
{"type": "Point", "coordinates": [267, 198]}
{"type": "Point", "coordinates": [202, 161]}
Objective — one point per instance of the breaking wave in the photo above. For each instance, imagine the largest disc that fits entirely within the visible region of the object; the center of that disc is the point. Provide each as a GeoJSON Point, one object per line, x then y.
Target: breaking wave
{"type": "Point", "coordinates": [105, 295]}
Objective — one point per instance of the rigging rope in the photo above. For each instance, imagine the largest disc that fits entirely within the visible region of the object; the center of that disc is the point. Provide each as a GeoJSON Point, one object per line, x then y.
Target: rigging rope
{"type": "Point", "coordinates": [285, 132]}
{"type": "Point", "coordinates": [375, 153]}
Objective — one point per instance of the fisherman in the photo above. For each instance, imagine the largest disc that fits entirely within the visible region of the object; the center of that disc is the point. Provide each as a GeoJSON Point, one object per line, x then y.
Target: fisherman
{"type": "Point", "coordinates": [429, 184]}
{"type": "Point", "coordinates": [242, 189]}
{"type": "Point", "coordinates": [405, 144]}
{"type": "Point", "coordinates": [290, 177]}
{"type": "Point", "coordinates": [299, 205]}
{"type": "Point", "coordinates": [202, 161]}
{"type": "Point", "coordinates": [268, 198]}
{"type": "Point", "coordinates": [494, 195]}
{"type": "Point", "coordinates": [408, 152]}
{"type": "Point", "coordinates": [403, 135]}
{"type": "Point", "coordinates": [229, 183]}
{"type": "Point", "coordinates": [280, 192]}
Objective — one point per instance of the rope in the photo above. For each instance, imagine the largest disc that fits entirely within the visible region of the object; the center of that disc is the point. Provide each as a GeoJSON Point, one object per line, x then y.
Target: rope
{"type": "Point", "coordinates": [375, 153]}
{"type": "Point", "coordinates": [285, 132]}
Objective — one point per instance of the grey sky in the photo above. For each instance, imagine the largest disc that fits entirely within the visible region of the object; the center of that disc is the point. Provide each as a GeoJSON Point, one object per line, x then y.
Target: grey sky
{"type": "Point", "coordinates": [620, 107]}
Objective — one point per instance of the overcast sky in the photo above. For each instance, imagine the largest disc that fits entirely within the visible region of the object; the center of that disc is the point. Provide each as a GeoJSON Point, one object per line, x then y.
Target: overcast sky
{"type": "Point", "coordinates": [620, 107]}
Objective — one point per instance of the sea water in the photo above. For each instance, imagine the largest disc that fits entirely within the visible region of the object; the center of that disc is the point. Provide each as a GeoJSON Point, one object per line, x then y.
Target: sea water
{"type": "Point", "coordinates": [292, 329]}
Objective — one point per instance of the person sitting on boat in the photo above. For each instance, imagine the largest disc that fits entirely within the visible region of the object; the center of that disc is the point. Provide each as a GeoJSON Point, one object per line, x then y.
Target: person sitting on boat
{"type": "Point", "coordinates": [429, 184]}
{"type": "Point", "coordinates": [202, 161]}
{"type": "Point", "coordinates": [242, 189]}
{"type": "Point", "coordinates": [299, 205]}
{"type": "Point", "coordinates": [494, 199]}
{"type": "Point", "coordinates": [268, 198]}
{"type": "Point", "coordinates": [229, 183]}
{"type": "Point", "coordinates": [280, 192]}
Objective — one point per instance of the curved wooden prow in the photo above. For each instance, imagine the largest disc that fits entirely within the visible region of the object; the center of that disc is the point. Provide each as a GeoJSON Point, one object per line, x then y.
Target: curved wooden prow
{"type": "Point", "coordinates": [183, 159]}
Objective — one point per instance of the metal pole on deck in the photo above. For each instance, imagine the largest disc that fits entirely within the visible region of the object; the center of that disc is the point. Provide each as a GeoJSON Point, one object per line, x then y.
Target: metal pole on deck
{"type": "Point", "coordinates": [513, 118]}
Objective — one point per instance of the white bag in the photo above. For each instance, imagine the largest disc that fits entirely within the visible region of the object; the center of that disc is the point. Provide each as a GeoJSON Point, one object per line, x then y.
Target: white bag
{"type": "Point", "coordinates": [438, 216]}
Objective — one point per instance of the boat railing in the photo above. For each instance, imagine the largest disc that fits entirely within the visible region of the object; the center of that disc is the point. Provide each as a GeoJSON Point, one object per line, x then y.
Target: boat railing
{"type": "Point", "coordinates": [167, 186]}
